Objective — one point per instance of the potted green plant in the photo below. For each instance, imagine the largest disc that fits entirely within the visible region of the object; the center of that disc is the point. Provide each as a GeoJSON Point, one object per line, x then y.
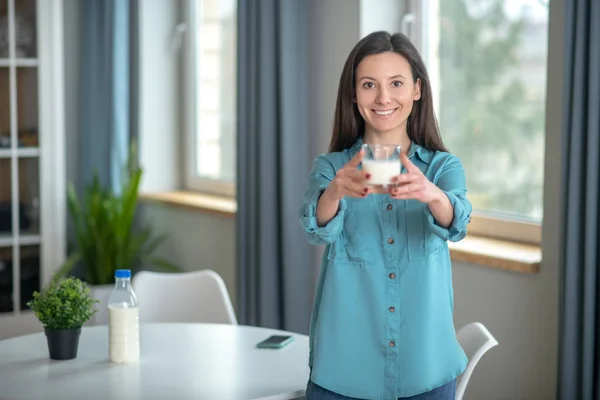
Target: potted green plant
{"type": "Point", "coordinates": [62, 307]}
{"type": "Point", "coordinates": [107, 236]}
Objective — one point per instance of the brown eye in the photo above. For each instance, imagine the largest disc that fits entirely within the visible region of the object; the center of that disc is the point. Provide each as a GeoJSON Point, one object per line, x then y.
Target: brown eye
{"type": "Point", "coordinates": [368, 85]}
{"type": "Point", "coordinates": [396, 84]}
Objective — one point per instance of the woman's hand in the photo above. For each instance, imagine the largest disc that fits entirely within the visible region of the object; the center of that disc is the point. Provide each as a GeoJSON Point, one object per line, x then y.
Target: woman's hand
{"type": "Point", "coordinates": [349, 181]}
{"type": "Point", "coordinates": [414, 184]}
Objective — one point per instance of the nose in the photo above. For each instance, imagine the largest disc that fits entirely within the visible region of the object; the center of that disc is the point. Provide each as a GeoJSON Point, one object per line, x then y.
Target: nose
{"type": "Point", "coordinates": [383, 97]}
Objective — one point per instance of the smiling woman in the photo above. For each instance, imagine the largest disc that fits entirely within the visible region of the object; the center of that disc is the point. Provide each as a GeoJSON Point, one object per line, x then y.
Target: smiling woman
{"type": "Point", "coordinates": [386, 85]}
{"type": "Point", "coordinates": [385, 290]}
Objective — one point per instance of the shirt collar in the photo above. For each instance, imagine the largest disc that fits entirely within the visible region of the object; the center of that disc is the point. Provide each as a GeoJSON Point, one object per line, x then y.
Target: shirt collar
{"type": "Point", "coordinates": [420, 151]}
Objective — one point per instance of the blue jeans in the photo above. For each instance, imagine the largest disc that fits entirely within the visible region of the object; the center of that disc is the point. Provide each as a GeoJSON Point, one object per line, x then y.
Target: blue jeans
{"type": "Point", "coordinates": [446, 392]}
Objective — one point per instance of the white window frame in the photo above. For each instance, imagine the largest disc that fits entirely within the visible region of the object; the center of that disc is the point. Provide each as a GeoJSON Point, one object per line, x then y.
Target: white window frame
{"type": "Point", "coordinates": [191, 180]}
{"type": "Point", "coordinates": [482, 223]}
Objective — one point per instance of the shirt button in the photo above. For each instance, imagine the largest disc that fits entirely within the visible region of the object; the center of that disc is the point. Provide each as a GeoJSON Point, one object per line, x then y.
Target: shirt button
{"type": "Point", "coordinates": [389, 207]}
{"type": "Point", "coordinates": [392, 275]}
{"type": "Point", "coordinates": [390, 241]}
{"type": "Point", "coordinates": [392, 309]}
{"type": "Point", "coordinates": [392, 343]}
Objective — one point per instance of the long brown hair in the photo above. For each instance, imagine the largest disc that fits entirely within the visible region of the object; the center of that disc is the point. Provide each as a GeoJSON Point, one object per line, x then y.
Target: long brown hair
{"type": "Point", "coordinates": [422, 126]}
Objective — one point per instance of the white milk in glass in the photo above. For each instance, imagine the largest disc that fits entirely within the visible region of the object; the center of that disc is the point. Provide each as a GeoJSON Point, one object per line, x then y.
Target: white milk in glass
{"type": "Point", "coordinates": [124, 338]}
{"type": "Point", "coordinates": [382, 171]}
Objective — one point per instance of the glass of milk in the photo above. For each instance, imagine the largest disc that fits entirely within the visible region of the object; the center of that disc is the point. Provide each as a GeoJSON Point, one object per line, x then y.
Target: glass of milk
{"type": "Point", "coordinates": [382, 161]}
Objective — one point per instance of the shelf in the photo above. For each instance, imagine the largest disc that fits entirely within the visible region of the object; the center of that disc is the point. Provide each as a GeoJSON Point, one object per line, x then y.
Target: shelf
{"type": "Point", "coordinates": [23, 152]}
{"type": "Point", "coordinates": [25, 239]}
{"type": "Point", "coordinates": [32, 179]}
{"type": "Point", "coordinates": [21, 62]}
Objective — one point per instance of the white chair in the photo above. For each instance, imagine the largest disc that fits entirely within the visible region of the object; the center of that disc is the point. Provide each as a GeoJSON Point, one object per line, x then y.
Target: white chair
{"type": "Point", "coordinates": [199, 296]}
{"type": "Point", "coordinates": [475, 340]}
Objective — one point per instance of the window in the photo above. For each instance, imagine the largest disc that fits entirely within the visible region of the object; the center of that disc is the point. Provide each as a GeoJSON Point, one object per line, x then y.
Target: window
{"type": "Point", "coordinates": [210, 85]}
{"type": "Point", "coordinates": [487, 61]}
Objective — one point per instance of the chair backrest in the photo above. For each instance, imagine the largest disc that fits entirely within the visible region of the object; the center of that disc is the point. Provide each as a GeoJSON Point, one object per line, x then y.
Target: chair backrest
{"type": "Point", "coordinates": [475, 340]}
{"type": "Point", "coordinates": [199, 296]}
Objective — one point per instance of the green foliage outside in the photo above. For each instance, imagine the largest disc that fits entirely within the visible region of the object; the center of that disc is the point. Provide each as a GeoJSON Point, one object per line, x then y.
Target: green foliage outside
{"type": "Point", "coordinates": [490, 114]}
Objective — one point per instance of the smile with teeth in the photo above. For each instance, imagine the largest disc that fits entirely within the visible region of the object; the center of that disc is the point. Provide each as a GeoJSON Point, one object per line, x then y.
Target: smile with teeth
{"type": "Point", "coordinates": [384, 113]}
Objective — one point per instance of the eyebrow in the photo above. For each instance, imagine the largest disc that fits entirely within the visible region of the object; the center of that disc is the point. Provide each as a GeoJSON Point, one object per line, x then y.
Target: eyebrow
{"type": "Point", "coordinates": [373, 79]}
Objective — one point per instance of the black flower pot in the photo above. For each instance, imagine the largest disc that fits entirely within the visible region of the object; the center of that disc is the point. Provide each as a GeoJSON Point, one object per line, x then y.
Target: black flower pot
{"type": "Point", "coordinates": [63, 344]}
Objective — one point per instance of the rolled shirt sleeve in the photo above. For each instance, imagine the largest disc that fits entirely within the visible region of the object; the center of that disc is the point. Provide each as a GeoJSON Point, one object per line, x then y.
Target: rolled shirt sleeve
{"type": "Point", "coordinates": [321, 175]}
{"type": "Point", "coordinates": [452, 182]}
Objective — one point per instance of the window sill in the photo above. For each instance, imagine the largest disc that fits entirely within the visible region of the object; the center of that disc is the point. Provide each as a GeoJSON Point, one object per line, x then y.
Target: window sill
{"type": "Point", "coordinates": [495, 253]}
{"type": "Point", "coordinates": [219, 205]}
{"type": "Point", "coordinates": [487, 252]}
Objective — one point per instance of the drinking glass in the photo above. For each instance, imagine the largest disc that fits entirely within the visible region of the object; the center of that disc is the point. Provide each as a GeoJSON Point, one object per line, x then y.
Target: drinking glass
{"type": "Point", "coordinates": [382, 161]}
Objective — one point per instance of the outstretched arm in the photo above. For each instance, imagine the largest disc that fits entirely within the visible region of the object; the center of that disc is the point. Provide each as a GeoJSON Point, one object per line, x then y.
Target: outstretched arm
{"type": "Point", "coordinates": [324, 206]}
{"type": "Point", "coordinates": [448, 209]}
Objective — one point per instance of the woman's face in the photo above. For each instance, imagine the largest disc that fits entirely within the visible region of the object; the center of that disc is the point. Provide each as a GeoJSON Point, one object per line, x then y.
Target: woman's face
{"type": "Point", "coordinates": [385, 91]}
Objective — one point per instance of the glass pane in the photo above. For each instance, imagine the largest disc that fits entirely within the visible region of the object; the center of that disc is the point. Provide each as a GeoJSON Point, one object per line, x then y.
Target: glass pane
{"type": "Point", "coordinates": [25, 29]}
{"type": "Point", "coordinates": [29, 196]}
{"type": "Point", "coordinates": [30, 273]}
{"type": "Point", "coordinates": [27, 106]}
{"type": "Point", "coordinates": [5, 203]}
{"type": "Point", "coordinates": [3, 29]}
{"type": "Point", "coordinates": [6, 279]}
{"type": "Point", "coordinates": [4, 109]}
{"type": "Point", "coordinates": [489, 74]}
{"type": "Point", "coordinates": [216, 89]}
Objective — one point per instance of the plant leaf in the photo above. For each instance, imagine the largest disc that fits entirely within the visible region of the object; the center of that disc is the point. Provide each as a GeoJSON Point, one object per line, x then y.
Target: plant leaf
{"type": "Point", "coordinates": [68, 264]}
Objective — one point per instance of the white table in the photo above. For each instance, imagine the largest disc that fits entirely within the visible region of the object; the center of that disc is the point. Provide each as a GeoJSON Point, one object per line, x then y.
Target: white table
{"type": "Point", "coordinates": [177, 361]}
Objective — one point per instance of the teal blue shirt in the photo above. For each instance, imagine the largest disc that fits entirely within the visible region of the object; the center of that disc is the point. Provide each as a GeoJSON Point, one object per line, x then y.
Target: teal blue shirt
{"type": "Point", "coordinates": [382, 323]}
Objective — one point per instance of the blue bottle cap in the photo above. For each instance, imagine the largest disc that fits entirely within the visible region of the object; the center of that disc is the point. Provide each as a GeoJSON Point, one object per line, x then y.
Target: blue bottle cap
{"type": "Point", "coordinates": [123, 273]}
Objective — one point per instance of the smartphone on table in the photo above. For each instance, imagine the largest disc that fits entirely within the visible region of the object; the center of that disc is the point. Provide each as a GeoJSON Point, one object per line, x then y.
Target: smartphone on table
{"type": "Point", "coordinates": [275, 342]}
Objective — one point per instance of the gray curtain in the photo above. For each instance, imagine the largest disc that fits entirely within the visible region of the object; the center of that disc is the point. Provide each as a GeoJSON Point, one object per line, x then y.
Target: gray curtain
{"type": "Point", "coordinates": [108, 105]}
{"type": "Point", "coordinates": [105, 90]}
{"type": "Point", "coordinates": [273, 259]}
{"type": "Point", "coordinates": [579, 368]}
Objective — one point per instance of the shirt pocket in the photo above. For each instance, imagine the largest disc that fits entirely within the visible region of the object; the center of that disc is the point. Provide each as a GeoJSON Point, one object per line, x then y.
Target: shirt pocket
{"type": "Point", "coordinates": [357, 241]}
{"type": "Point", "coordinates": [422, 242]}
